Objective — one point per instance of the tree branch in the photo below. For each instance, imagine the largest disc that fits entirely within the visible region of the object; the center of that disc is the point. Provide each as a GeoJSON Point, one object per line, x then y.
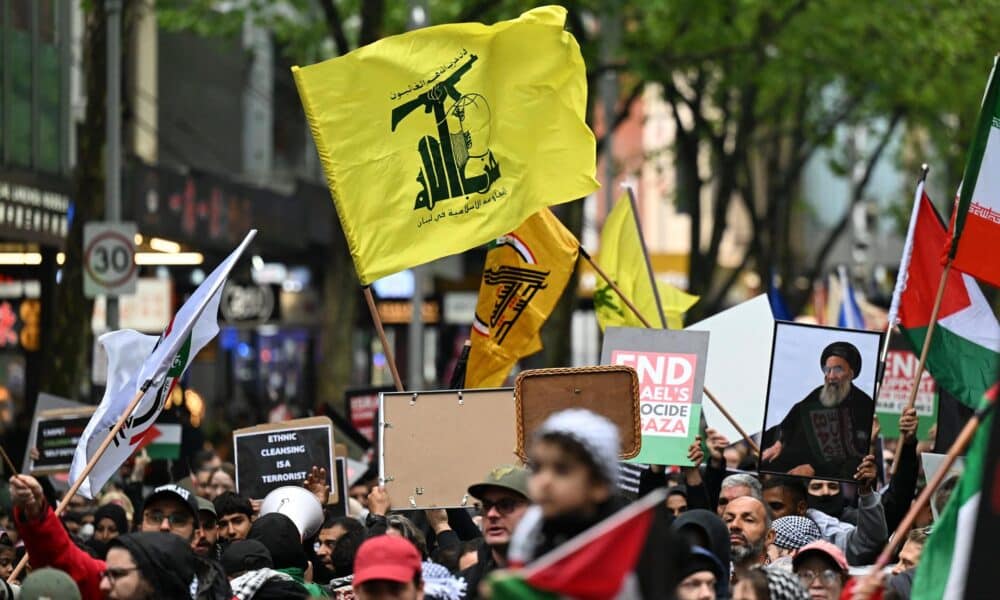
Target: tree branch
{"type": "Point", "coordinates": [335, 26]}
{"type": "Point", "coordinates": [623, 113]}
{"type": "Point", "coordinates": [372, 14]}
{"type": "Point", "coordinates": [856, 196]}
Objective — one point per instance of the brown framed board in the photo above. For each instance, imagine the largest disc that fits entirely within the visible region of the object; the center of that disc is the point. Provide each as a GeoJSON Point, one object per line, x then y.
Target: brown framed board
{"type": "Point", "coordinates": [55, 434]}
{"type": "Point", "coordinates": [610, 391]}
{"type": "Point", "coordinates": [273, 455]}
{"type": "Point", "coordinates": [433, 445]}
{"type": "Point", "coordinates": [670, 366]}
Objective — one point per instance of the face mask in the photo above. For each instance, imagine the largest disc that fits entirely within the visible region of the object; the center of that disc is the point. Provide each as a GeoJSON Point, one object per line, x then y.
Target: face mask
{"type": "Point", "coordinates": [87, 531]}
{"type": "Point", "coordinates": [831, 505]}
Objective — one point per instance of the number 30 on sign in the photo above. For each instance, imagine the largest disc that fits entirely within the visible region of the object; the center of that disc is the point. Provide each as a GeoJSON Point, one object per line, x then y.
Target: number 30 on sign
{"type": "Point", "coordinates": [109, 259]}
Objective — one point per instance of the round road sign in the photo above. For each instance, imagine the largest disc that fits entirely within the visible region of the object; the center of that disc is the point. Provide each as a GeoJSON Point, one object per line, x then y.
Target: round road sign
{"type": "Point", "coordinates": [110, 259]}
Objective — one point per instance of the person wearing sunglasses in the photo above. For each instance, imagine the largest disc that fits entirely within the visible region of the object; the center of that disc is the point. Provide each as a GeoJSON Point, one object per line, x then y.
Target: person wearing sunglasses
{"type": "Point", "coordinates": [502, 499]}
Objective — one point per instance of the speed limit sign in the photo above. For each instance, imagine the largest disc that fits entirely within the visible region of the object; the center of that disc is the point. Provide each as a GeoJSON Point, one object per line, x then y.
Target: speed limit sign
{"type": "Point", "coordinates": [109, 259]}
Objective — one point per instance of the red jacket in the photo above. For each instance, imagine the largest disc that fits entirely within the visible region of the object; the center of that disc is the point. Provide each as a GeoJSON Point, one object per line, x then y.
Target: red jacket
{"type": "Point", "coordinates": [48, 544]}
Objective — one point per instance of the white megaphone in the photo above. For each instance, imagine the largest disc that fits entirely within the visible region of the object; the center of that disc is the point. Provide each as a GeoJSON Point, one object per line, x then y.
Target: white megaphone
{"type": "Point", "coordinates": [299, 505]}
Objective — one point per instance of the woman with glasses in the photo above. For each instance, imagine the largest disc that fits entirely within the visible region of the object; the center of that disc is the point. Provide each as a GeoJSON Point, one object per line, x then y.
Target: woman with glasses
{"type": "Point", "coordinates": [822, 570]}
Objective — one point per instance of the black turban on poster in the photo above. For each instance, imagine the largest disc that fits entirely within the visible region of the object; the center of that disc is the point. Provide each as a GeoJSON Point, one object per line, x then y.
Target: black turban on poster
{"type": "Point", "coordinates": [846, 351]}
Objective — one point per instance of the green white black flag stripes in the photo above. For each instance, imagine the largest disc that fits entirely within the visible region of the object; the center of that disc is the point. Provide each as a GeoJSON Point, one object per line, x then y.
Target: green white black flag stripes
{"type": "Point", "coordinates": [138, 362]}
{"type": "Point", "coordinates": [944, 563]}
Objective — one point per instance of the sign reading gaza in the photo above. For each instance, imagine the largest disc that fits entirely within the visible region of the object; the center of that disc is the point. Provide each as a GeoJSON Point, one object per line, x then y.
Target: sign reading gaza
{"type": "Point", "coordinates": [671, 370]}
{"type": "Point", "coordinates": [279, 454]}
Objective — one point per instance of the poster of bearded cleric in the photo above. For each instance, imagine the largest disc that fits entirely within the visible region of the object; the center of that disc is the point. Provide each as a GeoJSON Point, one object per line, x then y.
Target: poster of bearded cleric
{"type": "Point", "coordinates": [819, 412]}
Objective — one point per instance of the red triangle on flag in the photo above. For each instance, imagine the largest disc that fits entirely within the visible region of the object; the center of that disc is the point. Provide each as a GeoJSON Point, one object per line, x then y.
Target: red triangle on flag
{"type": "Point", "coordinates": [594, 564]}
{"type": "Point", "coordinates": [145, 438]}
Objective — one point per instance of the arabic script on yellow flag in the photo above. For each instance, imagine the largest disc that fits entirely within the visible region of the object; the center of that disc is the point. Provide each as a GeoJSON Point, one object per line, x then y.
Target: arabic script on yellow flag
{"type": "Point", "coordinates": [525, 274]}
{"type": "Point", "coordinates": [621, 257]}
{"type": "Point", "coordinates": [443, 138]}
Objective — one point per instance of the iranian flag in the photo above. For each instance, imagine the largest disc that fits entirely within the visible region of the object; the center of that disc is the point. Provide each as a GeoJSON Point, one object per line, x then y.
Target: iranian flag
{"type": "Point", "coordinates": [139, 363]}
{"type": "Point", "coordinates": [944, 564]}
{"type": "Point", "coordinates": [595, 565]}
{"type": "Point", "coordinates": [965, 346]}
{"type": "Point", "coordinates": [977, 216]}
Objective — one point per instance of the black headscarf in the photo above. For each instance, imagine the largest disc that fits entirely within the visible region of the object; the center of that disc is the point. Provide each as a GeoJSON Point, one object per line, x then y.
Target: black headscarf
{"type": "Point", "coordinates": [165, 560]}
{"type": "Point", "coordinates": [116, 514]}
{"type": "Point", "coordinates": [280, 536]}
{"type": "Point", "coordinates": [701, 527]}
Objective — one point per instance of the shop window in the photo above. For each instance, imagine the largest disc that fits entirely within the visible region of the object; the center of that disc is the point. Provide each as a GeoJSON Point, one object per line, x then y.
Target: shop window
{"type": "Point", "coordinates": [31, 110]}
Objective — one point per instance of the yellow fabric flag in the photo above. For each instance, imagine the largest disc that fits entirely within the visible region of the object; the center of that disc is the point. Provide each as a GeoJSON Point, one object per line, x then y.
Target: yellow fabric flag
{"type": "Point", "coordinates": [525, 274]}
{"type": "Point", "coordinates": [622, 259]}
{"type": "Point", "coordinates": [443, 138]}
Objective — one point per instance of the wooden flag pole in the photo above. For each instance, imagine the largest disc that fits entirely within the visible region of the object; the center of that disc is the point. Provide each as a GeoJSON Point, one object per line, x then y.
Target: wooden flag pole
{"type": "Point", "coordinates": [732, 421]}
{"type": "Point", "coordinates": [904, 526]}
{"type": "Point", "coordinates": [90, 467]}
{"type": "Point", "coordinates": [638, 314]}
{"type": "Point", "coordinates": [930, 333]}
{"type": "Point", "coordinates": [8, 461]}
{"type": "Point", "coordinates": [381, 336]}
{"type": "Point", "coordinates": [615, 287]}
{"type": "Point", "coordinates": [645, 256]}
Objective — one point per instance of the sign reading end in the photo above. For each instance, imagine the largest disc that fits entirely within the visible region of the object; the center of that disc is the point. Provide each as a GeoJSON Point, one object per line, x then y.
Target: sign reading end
{"type": "Point", "coordinates": [109, 259]}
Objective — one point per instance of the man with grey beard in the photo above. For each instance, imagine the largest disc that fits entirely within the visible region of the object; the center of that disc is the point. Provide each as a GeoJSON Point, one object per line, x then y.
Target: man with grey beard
{"type": "Point", "coordinates": [827, 434]}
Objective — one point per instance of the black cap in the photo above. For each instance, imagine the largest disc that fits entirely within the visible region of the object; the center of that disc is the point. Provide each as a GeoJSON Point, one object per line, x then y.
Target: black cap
{"type": "Point", "coordinates": [246, 555]}
{"type": "Point", "coordinates": [178, 493]}
{"type": "Point", "coordinates": [846, 351]}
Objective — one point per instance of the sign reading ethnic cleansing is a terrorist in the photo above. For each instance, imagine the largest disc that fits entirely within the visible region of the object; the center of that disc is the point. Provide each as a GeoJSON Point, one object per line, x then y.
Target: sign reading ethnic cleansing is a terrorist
{"type": "Point", "coordinates": [671, 369]}
{"type": "Point", "coordinates": [818, 419]}
{"type": "Point", "coordinates": [278, 454]}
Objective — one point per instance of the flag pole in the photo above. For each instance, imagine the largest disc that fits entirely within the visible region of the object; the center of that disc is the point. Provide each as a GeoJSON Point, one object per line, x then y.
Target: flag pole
{"type": "Point", "coordinates": [715, 401]}
{"type": "Point", "coordinates": [614, 286]}
{"type": "Point", "coordinates": [90, 467]}
{"type": "Point", "coordinates": [942, 284]}
{"type": "Point", "coordinates": [8, 461]}
{"type": "Point", "coordinates": [732, 421]}
{"type": "Point", "coordinates": [381, 336]}
{"type": "Point", "coordinates": [956, 449]}
{"type": "Point", "coordinates": [645, 255]}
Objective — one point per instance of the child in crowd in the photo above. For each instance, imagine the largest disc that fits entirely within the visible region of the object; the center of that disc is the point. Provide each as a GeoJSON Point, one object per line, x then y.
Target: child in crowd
{"type": "Point", "coordinates": [574, 463]}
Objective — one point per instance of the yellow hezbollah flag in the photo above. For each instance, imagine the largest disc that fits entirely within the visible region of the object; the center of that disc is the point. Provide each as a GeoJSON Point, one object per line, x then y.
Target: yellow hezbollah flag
{"type": "Point", "coordinates": [623, 260]}
{"type": "Point", "coordinates": [443, 138]}
{"type": "Point", "coordinates": [525, 274]}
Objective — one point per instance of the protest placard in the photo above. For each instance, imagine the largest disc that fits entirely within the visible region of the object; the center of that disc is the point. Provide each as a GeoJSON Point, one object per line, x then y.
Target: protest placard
{"type": "Point", "coordinates": [362, 409]}
{"type": "Point", "coordinates": [339, 508]}
{"type": "Point", "coordinates": [55, 435]}
{"type": "Point", "coordinates": [820, 408]}
{"type": "Point", "coordinates": [55, 432]}
{"type": "Point", "coordinates": [609, 391]}
{"type": "Point", "coordinates": [671, 369]}
{"type": "Point", "coordinates": [433, 445]}
{"type": "Point", "coordinates": [738, 361]}
{"type": "Point", "coordinates": [277, 454]}
{"type": "Point", "coordinates": [894, 393]}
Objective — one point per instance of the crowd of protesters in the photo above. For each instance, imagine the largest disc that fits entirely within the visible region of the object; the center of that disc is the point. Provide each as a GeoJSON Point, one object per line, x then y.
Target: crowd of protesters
{"type": "Point", "coordinates": [723, 532]}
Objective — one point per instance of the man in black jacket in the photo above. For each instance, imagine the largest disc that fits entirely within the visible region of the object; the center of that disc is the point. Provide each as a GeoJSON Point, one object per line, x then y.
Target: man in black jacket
{"type": "Point", "coordinates": [503, 500]}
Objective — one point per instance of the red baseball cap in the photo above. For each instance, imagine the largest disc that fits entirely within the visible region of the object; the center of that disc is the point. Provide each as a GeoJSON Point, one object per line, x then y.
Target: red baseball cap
{"type": "Point", "coordinates": [388, 558]}
{"type": "Point", "coordinates": [821, 547]}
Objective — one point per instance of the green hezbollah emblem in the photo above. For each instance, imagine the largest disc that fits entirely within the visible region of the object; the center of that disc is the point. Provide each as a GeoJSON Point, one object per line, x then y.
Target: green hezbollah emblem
{"type": "Point", "coordinates": [449, 157]}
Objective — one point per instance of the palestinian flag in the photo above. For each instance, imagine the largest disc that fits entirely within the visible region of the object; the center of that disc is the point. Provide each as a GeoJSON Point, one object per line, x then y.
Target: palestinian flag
{"type": "Point", "coordinates": [965, 346]}
{"type": "Point", "coordinates": [164, 441]}
{"type": "Point", "coordinates": [595, 565]}
{"type": "Point", "coordinates": [944, 564]}
{"type": "Point", "coordinates": [977, 214]}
